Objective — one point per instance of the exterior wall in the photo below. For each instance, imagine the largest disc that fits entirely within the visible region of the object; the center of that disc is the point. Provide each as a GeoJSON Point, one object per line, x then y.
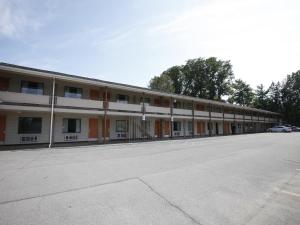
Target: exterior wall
{"type": "Point", "coordinates": [12, 123]}
{"type": "Point", "coordinates": [158, 108]}
{"type": "Point", "coordinates": [60, 136]}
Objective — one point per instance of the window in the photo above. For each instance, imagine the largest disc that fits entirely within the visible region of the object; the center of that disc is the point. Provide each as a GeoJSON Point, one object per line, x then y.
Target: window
{"type": "Point", "coordinates": [190, 125]}
{"type": "Point", "coordinates": [177, 126]}
{"type": "Point", "coordinates": [121, 126]}
{"type": "Point", "coordinates": [71, 125]}
{"type": "Point", "coordinates": [123, 98]}
{"type": "Point", "coordinates": [73, 92]}
{"type": "Point", "coordinates": [30, 87]}
{"type": "Point", "coordinates": [30, 125]}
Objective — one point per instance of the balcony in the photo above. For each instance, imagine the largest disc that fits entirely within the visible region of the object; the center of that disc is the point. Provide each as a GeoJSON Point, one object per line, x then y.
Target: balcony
{"type": "Point", "coordinates": [186, 112]}
{"type": "Point", "coordinates": [201, 113]}
{"type": "Point", "coordinates": [122, 106]}
{"type": "Point", "coordinates": [240, 117]}
{"type": "Point", "coordinates": [215, 114]}
{"type": "Point", "coordinates": [229, 116]}
{"type": "Point", "coordinates": [247, 117]}
{"type": "Point", "coordinates": [255, 118]}
{"type": "Point", "coordinates": [78, 102]}
{"type": "Point", "coordinates": [156, 109]}
{"type": "Point", "coordinates": [21, 98]}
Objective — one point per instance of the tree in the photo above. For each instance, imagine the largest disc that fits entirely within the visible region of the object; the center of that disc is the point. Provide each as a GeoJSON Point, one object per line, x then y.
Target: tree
{"type": "Point", "coordinates": [206, 78]}
{"type": "Point", "coordinates": [241, 93]}
{"type": "Point", "coordinates": [291, 98]}
{"type": "Point", "coordinates": [261, 97]}
{"type": "Point", "coordinates": [274, 98]}
{"type": "Point", "coordinates": [162, 83]}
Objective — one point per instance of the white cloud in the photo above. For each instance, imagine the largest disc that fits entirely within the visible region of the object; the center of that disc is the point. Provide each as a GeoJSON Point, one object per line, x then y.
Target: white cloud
{"type": "Point", "coordinates": [15, 19]}
{"type": "Point", "coordinates": [260, 37]}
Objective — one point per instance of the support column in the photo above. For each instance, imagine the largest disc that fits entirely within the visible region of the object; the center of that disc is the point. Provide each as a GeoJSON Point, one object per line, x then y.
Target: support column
{"type": "Point", "coordinates": [52, 113]}
{"type": "Point", "coordinates": [210, 125]}
{"type": "Point", "coordinates": [105, 115]}
{"type": "Point", "coordinates": [223, 121]}
{"type": "Point", "coordinates": [143, 117]}
{"type": "Point", "coordinates": [193, 119]}
{"type": "Point", "coordinates": [171, 112]}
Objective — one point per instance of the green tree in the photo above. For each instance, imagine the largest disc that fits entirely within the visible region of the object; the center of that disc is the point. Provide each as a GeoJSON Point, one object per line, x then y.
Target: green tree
{"type": "Point", "coordinates": [274, 98]}
{"type": "Point", "coordinates": [206, 78]}
{"type": "Point", "coordinates": [261, 97]}
{"type": "Point", "coordinates": [241, 93]}
{"type": "Point", "coordinates": [291, 98]}
{"type": "Point", "coordinates": [162, 83]}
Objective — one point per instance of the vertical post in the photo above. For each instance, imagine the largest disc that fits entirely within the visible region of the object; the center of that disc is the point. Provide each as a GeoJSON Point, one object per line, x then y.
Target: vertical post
{"type": "Point", "coordinates": [209, 108]}
{"type": "Point", "coordinates": [193, 120]}
{"type": "Point", "coordinates": [105, 114]}
{"type": "Point", "coordinates": [143, 117]}
{"type": "Point", "coordinates": [243, 121]}
{"type": "Point", "coordinates": [52, 112]}
{"type": "Point", "coordinates": [171, 112]}
{"type": "Point", "coordinates": [223, 121]}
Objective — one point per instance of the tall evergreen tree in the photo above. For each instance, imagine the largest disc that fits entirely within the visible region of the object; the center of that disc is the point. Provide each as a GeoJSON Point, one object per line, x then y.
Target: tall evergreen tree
{"type": "Point", "coordinates": [241, 93]}
{"type": "Point", "coordinates": [261, 97]}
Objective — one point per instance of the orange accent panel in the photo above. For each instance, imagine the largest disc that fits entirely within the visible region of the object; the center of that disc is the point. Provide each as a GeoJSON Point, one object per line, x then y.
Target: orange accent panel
{"type": "Point", "coordinates": [167, 127]}
{"type": "Point", "coordinates": [4, 83]}
{"type": "Point", "coordinates": [95, 94]}
{"type": "Point", "coordinates": [157, 128]}
{"type": "Point", "coordinates": [93, 128]}
{"type": "Point", "coordinates": [2, 127]}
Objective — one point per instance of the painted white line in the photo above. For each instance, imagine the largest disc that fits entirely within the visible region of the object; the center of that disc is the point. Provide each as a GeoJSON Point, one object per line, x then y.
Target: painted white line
{"type": "Point", "coordinates": [290, 193]}
{"type": "Point", "coordinates": [287, 192]}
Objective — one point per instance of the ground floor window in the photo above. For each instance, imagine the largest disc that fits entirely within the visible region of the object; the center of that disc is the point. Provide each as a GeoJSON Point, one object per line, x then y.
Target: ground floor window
{"type": "Point", "coordinates": [30, 125]}
{"type": "Point", "coordinates": [177, 126]}
{"type": "Point", "coordinates": [121, 126]}
{"type": "Point", "coordinates": [71, 125]}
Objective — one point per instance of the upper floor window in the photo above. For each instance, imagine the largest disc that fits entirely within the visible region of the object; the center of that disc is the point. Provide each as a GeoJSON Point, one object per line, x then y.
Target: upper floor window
{"type": "Point", "coordinates": [30, 87]}
{"type": "Point", "coordinates": [73, 92]}
{"type": "Point", "coordinates": [71, 125]}
{"type": "Point", "coordinates": [30, 125]}
{"type": "Point", "coordinates": [123, 98]}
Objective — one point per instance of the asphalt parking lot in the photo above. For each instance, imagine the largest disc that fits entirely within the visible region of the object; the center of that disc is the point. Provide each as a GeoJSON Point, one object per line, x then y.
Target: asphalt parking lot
{"type": "Point", "coordinates": [245, 179]}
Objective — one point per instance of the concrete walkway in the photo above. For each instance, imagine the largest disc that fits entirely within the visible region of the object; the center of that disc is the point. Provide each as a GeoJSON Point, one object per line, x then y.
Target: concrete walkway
{"type": "Point", "coordinates": [245, 179]}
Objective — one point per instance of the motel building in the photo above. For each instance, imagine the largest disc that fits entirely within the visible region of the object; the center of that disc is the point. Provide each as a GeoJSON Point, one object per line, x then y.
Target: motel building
{"type": "Point", "coordinates": [45, 107]}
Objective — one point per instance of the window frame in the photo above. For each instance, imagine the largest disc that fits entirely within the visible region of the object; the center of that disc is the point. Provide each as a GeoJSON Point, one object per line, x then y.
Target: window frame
{"type": "Point", "coordinates": [28, 81]}
{"type": "Point", "coordinates": [176, 126]}
{"type": "Point", "coordinates": [126, 126]}
{"type": "Point", "coordinates": [30, 132]}
{"type": "Point", "coordinates": [68, 132]}
{"type": "Point", "coordinates": [65, 89]}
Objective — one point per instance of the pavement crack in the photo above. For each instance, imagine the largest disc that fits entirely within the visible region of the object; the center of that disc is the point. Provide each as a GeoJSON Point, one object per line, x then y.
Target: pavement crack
{"type": "Point", "coordinates": [68, 190]}
{"type": "Point", "coordinates": [169, 202]}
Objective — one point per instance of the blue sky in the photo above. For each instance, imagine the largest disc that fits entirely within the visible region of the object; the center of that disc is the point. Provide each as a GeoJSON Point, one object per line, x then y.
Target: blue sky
{"type": "Point", "coordinates": [131, 41]}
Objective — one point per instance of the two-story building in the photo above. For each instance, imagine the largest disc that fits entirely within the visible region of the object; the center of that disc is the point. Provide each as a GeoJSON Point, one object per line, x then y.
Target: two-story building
{"type": "Point", "coordinates": [39, 106]}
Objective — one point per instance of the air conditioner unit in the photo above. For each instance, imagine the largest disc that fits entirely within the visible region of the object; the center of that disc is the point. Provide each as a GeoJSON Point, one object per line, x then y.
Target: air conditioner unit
{"type": "Point", "coordinates": [121, 135]}
{"type": "Point", "coordinates": [28, 139]}
{"type": "Point", "coordinates": [71, 137]}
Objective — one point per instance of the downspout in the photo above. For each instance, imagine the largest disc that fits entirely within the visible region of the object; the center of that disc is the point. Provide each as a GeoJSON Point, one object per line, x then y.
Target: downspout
{"type": "Point", "coordinates": [52, 113]}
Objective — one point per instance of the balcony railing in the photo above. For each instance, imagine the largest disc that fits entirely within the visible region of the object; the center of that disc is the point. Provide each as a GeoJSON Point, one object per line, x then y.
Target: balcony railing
{"type": "Point", "coordinates": [187, 112]}
{"type": "Point", "coordinates": [14, 97]}
{"type": "Point", "coordinates": [247, 117]}
{"type": "Point", "coordinates": [216, 114]}
{"type": "Point", "coordinates": [239, 116]}
{"type": "Point", "coordinates": [229, 115]}
{"type": "Point", "coordinates": [201, 113]}
{"type": "Point", "coordinates": [124, 106]}
{"type": "Point", "coordinates": [77, 102]}
{"type": "Point", "coordinates": [156, 109]}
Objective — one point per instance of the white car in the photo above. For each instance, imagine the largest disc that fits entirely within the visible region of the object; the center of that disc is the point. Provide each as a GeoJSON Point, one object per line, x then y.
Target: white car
{"type": "Point", "coordinates": [280, 129]}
